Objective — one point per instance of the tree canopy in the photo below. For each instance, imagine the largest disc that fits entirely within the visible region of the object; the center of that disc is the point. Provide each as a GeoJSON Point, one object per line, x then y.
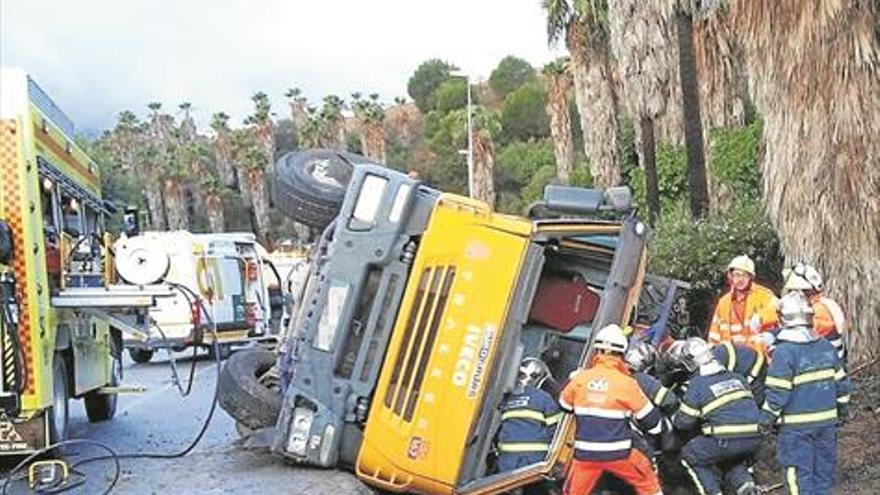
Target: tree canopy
{"type": "Point", "coordinates": [425, 81]}
{"type": "Point", "coordinates": [511, 73]}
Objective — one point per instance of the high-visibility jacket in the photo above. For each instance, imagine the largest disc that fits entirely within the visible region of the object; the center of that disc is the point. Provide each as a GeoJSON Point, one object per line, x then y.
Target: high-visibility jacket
{"type": "Point", "coordinates": [744, 323]}
{"type": "Point", "coordinates": [721, 404]}
{"type": "Point", "coordinates": [661, 396]}
{"type": "Point", "coordinates": [605, 398]}
{"type": "Point", "coordinates": [805, 384]}
{"type": "Point", "coordinates": [829, 321]}
{"type": "Point", "coordinates": [746, 362]}
{"type": "Point", "coordinates": [528, 421]}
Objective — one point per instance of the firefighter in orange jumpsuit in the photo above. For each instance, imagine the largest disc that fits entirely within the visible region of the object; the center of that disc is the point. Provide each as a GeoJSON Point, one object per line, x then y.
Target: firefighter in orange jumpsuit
{"type": "Point", "coordinates": [747, 313]}
{"type": "Point", "coordinates": [605, 398]}
{"type": "Point", "coordinates": [829, 320]}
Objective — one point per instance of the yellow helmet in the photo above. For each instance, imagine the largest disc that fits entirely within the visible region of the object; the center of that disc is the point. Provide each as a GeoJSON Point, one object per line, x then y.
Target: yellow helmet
{"type": "Point", "coordinates": [743, 263]}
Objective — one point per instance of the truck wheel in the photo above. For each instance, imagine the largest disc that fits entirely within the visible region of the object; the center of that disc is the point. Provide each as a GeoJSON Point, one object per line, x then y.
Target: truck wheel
{"type": "Point", "coordinates": [140, 355]}
{"type": "Point", "coordinates": [59, 414]}
{"type": "Point", "coordinates": [309, 186]}
{"type": "Point", "coordinates": [102, 407]}
{"type": "Point", "coordinates": [243, 391]}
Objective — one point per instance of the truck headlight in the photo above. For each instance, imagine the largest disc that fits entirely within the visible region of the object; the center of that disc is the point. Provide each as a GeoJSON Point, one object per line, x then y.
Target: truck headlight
{"type": "Point", "coordinates": [326, 444]}
{"type": "Point", "coordinates": [300, 428]}
{"type": "Point", "coordinates": [369, 198]}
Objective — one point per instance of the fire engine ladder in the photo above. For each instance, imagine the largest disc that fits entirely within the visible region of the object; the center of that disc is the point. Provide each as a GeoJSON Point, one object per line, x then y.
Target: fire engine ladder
{"type": "Point", "coordinates": [115, 304]}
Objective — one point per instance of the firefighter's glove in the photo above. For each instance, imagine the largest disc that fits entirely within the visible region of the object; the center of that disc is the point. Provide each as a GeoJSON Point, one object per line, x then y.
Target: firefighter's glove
{"type": "Point", "coordinates": [669, 442]}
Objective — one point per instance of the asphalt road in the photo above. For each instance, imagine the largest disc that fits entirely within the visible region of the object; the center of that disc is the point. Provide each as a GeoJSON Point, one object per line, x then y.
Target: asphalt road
{"type": "Point", "coordinates": [162, 421]}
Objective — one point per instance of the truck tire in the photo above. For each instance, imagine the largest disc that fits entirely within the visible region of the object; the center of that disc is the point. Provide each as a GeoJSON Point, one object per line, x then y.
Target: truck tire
{"type": "Point", "coordinates": [243, 394]}
{"type": "Point", "coordinates": [140, 356]}
{"type": "Point", "coordinates": [102, 407]}
{"type": "Point", "coordinates": [58, 415]}
{"type": "Point", "coordinates": [309, 186]}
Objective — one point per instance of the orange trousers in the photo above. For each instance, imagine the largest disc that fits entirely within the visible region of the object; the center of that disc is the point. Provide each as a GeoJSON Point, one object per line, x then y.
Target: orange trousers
{"type": "Point", "coordinates": [636, 470]}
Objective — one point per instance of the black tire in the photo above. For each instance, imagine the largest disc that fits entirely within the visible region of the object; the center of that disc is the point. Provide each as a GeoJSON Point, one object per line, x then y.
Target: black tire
{"type": "Point", "coordinates": [243, 394]}
{"type": "Point", "coordinates": [102, 407]}
{"type": "Point", "coordinates": [309, 186]}
{"type": "Point", "coordinates": [141, 356]}
{"type": "Point", "coordinates": [58, 415]}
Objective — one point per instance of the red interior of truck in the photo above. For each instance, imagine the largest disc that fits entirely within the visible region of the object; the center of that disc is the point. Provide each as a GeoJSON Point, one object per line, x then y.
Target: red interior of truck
{"type": "Point", "coordinates": [563, 301]}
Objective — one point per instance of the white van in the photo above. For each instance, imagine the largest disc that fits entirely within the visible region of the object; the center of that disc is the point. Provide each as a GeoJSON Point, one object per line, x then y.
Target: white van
{"type": "Point", "coordinates": [220, 280]}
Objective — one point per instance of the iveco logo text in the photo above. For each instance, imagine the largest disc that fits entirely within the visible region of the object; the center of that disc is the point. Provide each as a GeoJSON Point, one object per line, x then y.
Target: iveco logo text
{"type": "Point", "coordinates": [471, 362]}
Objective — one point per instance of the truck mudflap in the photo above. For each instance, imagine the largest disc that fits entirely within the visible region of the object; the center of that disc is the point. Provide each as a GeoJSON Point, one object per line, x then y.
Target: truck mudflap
{"type": "Point", "coordinates": [22, 436]}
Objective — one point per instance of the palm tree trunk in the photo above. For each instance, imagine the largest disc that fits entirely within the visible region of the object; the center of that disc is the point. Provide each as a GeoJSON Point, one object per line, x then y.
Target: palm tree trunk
{"type": "Point", "coordinates": [484, 166]}
{"type": "Point", "coordinates": [821, 170]}
{"type": "Point", "coordinates": [693, 128]}
{"type": "Point", "coordinates": [175, 204]}
{"type": "Point", "coordinates": [257, 187]}
{"type": "Point", "coordinates": [223, 159]}
{"type": "Point", "coordinates": [649, 162]}
{"type": "Point", "coordinates": [153, 194]}
{"type": "Point", "coordinates": [560, 126]}
{"type": "Point", "coordinates": [216, 217]}
{"type": "Point", "coordinates": [597, 105]}
{"type": "Point", "coordinates": [374, 141]}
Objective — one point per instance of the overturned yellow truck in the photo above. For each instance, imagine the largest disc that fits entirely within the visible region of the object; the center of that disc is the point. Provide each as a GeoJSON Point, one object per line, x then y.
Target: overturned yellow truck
{"type": "Point", "coordinates": [418, 309]}
{"type": "Point", "coordinates": [52, 241]}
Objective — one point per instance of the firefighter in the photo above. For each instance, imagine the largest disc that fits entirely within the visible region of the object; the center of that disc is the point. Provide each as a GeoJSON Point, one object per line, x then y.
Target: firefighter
{"type": "Point", "coordinates": [641, 358]}
{"type": "Point", "coordinates": [747, 313]}
{"type": "Point", "coordinates": [745, 362]}
{"type": "Point", "coordinates": [604, 398]}
{"type": "Point", "coordinates": [720, 404]}
{"type": "Point", "coordinates": [808, 393]}
{"type": "Point", "coordinates": [829, 320]}
{"type": "Point", "coordinates": [528, 418]}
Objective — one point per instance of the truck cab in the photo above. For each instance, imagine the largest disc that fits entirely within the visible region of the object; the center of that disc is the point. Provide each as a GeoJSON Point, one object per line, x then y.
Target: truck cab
{"type": "Point", "coordinates": [419, 307]}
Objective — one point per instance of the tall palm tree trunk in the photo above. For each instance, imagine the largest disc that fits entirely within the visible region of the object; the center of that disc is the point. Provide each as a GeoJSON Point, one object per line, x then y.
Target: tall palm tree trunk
{"type": "Point", "coordinates": [175, 204]}
{"type": "Point", "coordinates": [648, 156]}
{"type": "Point", "coordinates": [260, 199]}
{"type": "Point", "coordinates": [216, 217]}
{"type": "Point", "coordinates": [223, 160]}
{"type": "Point", "coordinates": [153, 194]}
{"type": "Point", "coordinates": [560, 125]}
{"type": "Point", "coordinates": [693, 128]}
{"type": "Point", "coordinates": [374, 141]}
{"type": "Point", "coordinates": [814, 72]}
{"type": "Point", "coordinates": [484, 166]}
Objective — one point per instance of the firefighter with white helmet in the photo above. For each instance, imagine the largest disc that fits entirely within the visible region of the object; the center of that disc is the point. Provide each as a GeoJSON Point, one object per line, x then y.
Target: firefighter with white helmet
{"type": "Point", "coordinates": [605, 398]}
{"type": "Point", "coordinates": [747, 312]}
{"type": "Point", "coordinates": [528, 418]}
{"type": "Point", "coordinates": [808, 393]}
{"type": "Point", "coordinates": [829, 320]}
{"type": "Point", "coordinates": [719, 405]}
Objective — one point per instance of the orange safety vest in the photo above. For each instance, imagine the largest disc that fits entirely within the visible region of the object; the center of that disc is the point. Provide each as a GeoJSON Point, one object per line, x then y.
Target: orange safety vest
{"type": "Point", "coordinates": [829, 321]}
{"type": "Point", "coordinates": [745, 323]}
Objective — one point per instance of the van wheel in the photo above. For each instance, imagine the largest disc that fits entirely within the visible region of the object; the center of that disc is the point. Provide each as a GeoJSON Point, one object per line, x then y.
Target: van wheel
{"type": "Point", "coordinates": [141, 356]}
{"type": "Point", "coordinates": [59, 414]}
{"type": "Point", "coordinates": [246, 392]}
{"type": "Point", "coordinates": [309, 186]}
{"type": "Point", "coordinates": [102, 407]}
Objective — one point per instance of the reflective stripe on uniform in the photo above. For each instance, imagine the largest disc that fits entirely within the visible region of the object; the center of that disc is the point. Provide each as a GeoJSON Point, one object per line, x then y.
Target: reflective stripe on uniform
{"type": "Point", "coordinates": [656, 429]}
{"type": "Point", "coordinates": [601, 412]}
{"type": "Point", "coordinates": [523, 414]}
{"type": "Point", "coordinates": [552, 420]}
{"type": "Point", "coordinates": [756, 368]}
{"type": "Point", "coordinates": [791, 478]}
{"type": "Point", "coordinates": [843, 400]}
{"type": "Point", "coordinates": [603, 446]}
{"type": "Point", "coordinates": [694, 477]}
{"type": "Point", "coordinates": [725, 399]}
{"type": "Point", "coordinates": [840, 374]}
{"type": "Point", "coordinates": [774, 382]}
{"type": "Point", "coordinates": [770, 409]}
{"type": "Point", "coordinates": [814, 417]}
{"type": "Point", "coordinates": [731, 356]}
{"type": "Point", "coordinates": [565, 405]}
{"type": "Point", "coordinates": [645, 410]}
{"type": "Point", "coordinates": [813, 376]}
{"type": "Point", "coordinates": [730, 429]}
{"type": "Point", "coordinates": [690, 411]}
{"type": "Point", "coordinates": [660, 395]}
{"type": "Point", "coordinates": [522, 447]}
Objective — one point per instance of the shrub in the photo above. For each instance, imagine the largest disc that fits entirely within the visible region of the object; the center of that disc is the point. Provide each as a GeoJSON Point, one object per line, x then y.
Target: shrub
{"type": "Point", "coordinates": [733, 158]}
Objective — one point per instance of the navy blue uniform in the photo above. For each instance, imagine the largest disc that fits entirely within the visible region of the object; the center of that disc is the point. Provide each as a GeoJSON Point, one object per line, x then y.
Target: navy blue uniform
{"type": "Point", "coordinates": [722, 406]}
{"type": "Point", "coordinates": [746, 362]}
{"type": "Point", "coordinates": [806, 384]}
{"type": "Point", "coordinates": [528, 421]}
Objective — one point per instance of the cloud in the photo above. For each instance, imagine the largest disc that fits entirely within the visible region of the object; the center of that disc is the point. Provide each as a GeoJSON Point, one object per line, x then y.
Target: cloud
{"type": "Point", "coordinates": [97, 57]}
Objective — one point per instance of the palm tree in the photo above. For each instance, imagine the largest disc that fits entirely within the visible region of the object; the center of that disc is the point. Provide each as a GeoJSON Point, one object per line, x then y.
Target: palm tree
{"type": "Point", "coordinates": [821, 163]}
{"type": "Point", "coordinates": [222, 150]}
{"type": "Point", "coordinates": [584, 27]}
{"type": "Point", "coordinates": [558, 82]}
{"type": "Point", "coordinates": [333, 123]}
{"type": "Point", "coordinates": [298, 109]}
{"type": "Point", "coordinates": [640, 37]}
{"type": "Point", "coordinates": [371, 119]}
{"type": "Point", "coordinates": [250, 157]}
{"type": "Point", "coordinates": [263, 127]}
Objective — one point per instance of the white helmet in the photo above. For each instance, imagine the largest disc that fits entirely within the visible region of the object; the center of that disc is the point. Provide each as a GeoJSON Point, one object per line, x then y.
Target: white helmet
{"type": "Point", "coordinates": [802, 277]}
{"type": "Point", "coordinates": [743, 263]}
{"type": "Point", "coordinates": [641, 356]}
{"type": "Point", "coordinates": [693, 353]}
{"type": "Point", "coordinates": [611, 338]}
{"type": "Point", "coordinates": [533, 371]}
{"type": "Point", "coordinates": [795, 310]}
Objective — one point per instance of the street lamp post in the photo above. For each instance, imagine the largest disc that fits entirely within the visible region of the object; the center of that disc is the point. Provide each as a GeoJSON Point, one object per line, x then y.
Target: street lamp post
{"type": "Point", "coordinates": [469, 152]}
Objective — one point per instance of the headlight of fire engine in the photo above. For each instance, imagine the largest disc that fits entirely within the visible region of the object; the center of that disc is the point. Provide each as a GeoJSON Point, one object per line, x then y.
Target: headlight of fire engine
{"type": "Point", "coordinates": [300, 428]}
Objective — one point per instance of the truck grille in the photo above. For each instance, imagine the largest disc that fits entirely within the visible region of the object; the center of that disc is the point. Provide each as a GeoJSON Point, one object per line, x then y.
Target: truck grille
{"type": "Point", "coordinates": [420, 334]}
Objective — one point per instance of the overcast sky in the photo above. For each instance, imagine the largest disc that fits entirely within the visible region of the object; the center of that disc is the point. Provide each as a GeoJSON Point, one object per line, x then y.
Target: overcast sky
{"type": "Point", "coordinates": [97, 57]}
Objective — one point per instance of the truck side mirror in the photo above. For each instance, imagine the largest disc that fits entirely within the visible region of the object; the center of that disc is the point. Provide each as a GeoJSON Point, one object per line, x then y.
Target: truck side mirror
{"type": "Point", "coordinates": [6, 243]}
